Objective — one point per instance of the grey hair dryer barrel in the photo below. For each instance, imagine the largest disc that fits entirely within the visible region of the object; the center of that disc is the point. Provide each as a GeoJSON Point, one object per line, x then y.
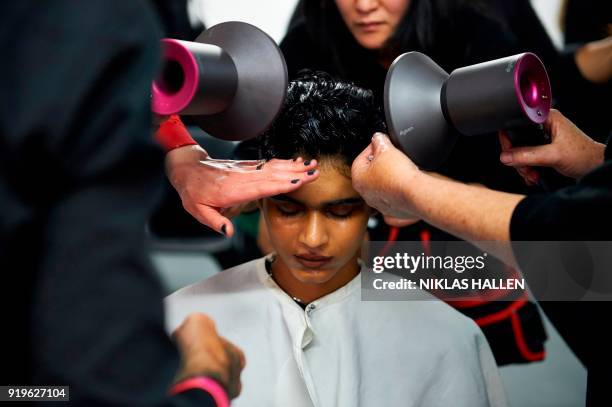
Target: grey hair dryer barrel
{"type": "Point", "coordinates": [231, 81]}
{"type": "Point", "coordinates": [424, 105]}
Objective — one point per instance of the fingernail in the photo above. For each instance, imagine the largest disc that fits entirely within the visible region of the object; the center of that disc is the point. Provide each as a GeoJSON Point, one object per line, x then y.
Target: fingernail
{"type": "Point", "coordinates": [295, 181]}
{"type": "Point", "coordinates": [224, 229]}
{"type": "Point", "coordinates": [307, 162]}
{"type": "Point", "coordinates": [310, 172]}
{"type": "Point", "coordinates": [506, 158]}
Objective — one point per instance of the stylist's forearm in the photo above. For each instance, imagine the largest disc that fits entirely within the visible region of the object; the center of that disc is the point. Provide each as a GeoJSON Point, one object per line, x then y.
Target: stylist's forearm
{"type": "Point", "coordinates": [472, 213]}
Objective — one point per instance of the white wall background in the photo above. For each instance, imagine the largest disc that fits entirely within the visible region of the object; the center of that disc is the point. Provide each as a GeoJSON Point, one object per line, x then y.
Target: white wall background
{"type": "Point", "coordinates": [549, 13]}
{"type": "Point", "coordinates": [272, 16]}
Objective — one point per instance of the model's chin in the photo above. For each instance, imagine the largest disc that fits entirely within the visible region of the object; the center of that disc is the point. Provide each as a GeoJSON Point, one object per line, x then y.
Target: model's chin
{"type": "Point", "coordinates": [371, 41]}
{"type": "Point", "coordinates": [312, 276]}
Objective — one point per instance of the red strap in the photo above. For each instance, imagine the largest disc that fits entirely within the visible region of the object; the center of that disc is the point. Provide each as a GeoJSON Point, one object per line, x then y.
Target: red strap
{"type": "Point", "coordinates": [172, 134]}
{"type": "Point", "coordinates": [499, 316]}
{"type": "Point", "coordinates": [517, 328]}
{"type": "Point", "coordinates": [509, 312]}
{"type": "Point", "coordinates": [203, 383]}
{"type": "Point", "coordinates": [521, 343]}
{"type": "Point", "coordinates": [425, 241]}
{"type": "Point", "coordinates": [393, 232]}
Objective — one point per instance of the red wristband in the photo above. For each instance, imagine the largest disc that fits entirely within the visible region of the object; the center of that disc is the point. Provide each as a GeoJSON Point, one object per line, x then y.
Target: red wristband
{"type": "Point", "coordinates": [203, 383]}
{"type": "Point", "coordinates": [172, 134]}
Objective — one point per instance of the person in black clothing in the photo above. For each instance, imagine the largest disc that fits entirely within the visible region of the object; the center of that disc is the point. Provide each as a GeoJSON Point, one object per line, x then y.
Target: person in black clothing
{"type": "Point", "coordinates": [575, 71]}
{"type": "Point", "coordinates": [454, 33]}
{"type": "Point", "coordinates": [586, 20]}
{"type": "Point", "coordinates": [175, 19]}
{"type": "Point", "coordinates": [316, 38]}
{"type": "Point", "coordinates": [587, 29]}
{"type": "Point", "coordinates": [458, 33]}
{"type": "Point", "coordinates": [334, 36]}
{"type": "Point", "coordinates": [390, 182]}
{"type": "Point", "coordinates": [79, 176]}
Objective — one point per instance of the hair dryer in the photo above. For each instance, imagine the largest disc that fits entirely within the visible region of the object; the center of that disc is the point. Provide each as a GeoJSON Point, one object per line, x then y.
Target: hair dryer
{"type": "Point", "coordinates": [231, 81]}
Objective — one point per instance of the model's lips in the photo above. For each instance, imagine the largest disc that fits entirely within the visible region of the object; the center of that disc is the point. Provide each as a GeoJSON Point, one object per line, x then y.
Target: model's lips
{"type": "Point", "coordinates": [312, 261]}
{"type": "Point", "coordinates": [369, 26]}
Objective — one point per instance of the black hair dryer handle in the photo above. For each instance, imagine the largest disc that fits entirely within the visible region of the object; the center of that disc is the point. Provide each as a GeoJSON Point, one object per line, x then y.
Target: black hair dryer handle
{"type": "Point", "coordinates": [534, 135]}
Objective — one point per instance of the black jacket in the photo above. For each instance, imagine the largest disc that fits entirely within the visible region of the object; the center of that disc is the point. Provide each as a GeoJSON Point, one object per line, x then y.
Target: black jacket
{"type": "Point", "coordinates": [79, 176]}
{"type": "Point", "coordinates": [580, 212]}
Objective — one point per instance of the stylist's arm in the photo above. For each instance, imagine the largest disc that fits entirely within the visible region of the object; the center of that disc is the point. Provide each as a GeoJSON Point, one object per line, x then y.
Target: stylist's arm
{"type": "Point", "coordinates": [209, 187]}
{"type": "Point", "coordinates": [395, 186]}
{"type": "Point", "coordinates": [205, 353]}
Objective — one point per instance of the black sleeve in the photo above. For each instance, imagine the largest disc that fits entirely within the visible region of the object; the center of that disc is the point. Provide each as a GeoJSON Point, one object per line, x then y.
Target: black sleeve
{"type": "Point", "coordinates": [587, 20]}
{"type": "Point", "coordinates": [580, 212]}
{"type": "Point", "coordinates": [585, 103]}
{"type": "Point", "coordinates": [471, 34]}
{"type": "Point", "coordinates": [79, 177]}
{"type": "Point", "coordinates": [577, 213]}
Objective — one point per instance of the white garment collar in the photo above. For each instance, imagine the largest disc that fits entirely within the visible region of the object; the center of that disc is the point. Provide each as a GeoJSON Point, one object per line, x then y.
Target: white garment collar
{"type": "Point", "coordinates": [331, 298]}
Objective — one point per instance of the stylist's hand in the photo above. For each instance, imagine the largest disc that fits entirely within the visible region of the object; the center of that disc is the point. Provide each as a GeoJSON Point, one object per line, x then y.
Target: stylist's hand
{"type": "Point", "coordinates": [382, 174]}
{"type": "Point", "coordinates": [207, 187]}
{"type": "Point", "coordinates": [205, 353]}
{"type": "Point", "coordinates": [571, 152]}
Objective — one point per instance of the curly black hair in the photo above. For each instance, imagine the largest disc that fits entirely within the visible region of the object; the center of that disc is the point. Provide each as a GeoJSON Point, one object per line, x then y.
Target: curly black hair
{"type": "Point", "coordinates": [322, 117]}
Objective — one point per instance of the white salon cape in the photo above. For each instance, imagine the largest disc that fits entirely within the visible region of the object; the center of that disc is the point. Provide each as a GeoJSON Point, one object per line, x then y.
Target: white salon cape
{"type": "Point", "coordinates": [342, 351]}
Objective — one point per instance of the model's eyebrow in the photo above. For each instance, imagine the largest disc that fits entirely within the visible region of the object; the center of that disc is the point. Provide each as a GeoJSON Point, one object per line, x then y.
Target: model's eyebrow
{"type": "Point", "coordinates": [344, 201]}
{"type": "Point", "coordinates": [285, 198]}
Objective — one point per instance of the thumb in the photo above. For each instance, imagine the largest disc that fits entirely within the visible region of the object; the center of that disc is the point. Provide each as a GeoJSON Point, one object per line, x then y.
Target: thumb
{"type": "Point", "coordinates": [361, 162]}
{"type": "Point", "coordinates": [380, 143]}
{"type": "Point", "coordinates": [504, 140]}
{"type": "Point", "coordinates": [212, 218]}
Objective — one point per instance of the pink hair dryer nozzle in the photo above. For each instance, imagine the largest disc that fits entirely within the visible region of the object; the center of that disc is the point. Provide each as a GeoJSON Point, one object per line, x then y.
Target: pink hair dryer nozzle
{"type": "Point", "coordinates": [232, 80]}
{"type": "Point", "coordinates": [423, 103]}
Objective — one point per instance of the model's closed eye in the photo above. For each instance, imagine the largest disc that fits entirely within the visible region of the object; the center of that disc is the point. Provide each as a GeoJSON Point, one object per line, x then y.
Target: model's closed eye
{"type": "Point", "coordinates": [343, 210]}
{"type": "Point", "coordinates": [288, 208]}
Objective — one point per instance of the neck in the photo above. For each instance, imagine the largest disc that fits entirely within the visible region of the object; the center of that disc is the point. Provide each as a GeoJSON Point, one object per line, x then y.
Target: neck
{"type": "Point", "coordinates": [386, 56]}
{"type": "Point", "coordinates": [308, 292]}
{"type": "Point", "coordinates": [385, 61]}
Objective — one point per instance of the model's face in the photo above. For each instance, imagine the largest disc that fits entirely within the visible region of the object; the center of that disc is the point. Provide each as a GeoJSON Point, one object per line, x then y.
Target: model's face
{"type": "Point", "coordinates": [317, 231]}
{"type": "Point", "coordinates": [372, 22]}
